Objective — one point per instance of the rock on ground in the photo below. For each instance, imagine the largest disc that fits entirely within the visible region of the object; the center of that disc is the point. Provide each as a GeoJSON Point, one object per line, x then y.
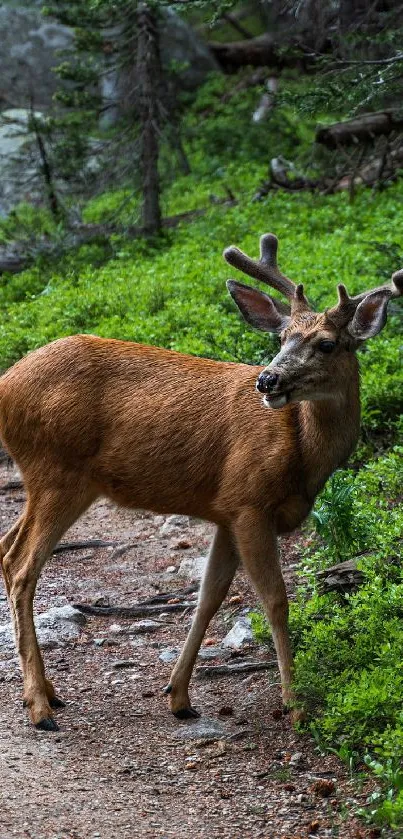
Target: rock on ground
{"type": "Point", "coordinates": [53, 628]}
{"type": "Point", "coordinates": [240, 634]}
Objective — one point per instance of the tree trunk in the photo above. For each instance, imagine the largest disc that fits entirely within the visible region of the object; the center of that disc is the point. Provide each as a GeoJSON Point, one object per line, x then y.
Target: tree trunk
{"type": "Point", "coordinates": [149, 86]}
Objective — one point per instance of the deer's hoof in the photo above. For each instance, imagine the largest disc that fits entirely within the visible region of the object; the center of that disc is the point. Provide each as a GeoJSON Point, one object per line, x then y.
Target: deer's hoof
{"type": "Point", "coordinates": [47, 724]}
{"type": "Point", "coordinates": [186, 714]}
{"type": "Point", "coordinates": [55, 702]}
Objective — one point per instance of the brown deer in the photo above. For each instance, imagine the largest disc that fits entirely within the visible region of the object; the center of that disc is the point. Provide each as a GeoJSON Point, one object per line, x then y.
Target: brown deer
{"type": "Point", "coordinates": [86, 417]}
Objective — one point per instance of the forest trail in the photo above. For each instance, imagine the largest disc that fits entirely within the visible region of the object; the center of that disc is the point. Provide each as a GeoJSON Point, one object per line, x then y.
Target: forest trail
{"type": "Point", "coordinates": [121, 765]}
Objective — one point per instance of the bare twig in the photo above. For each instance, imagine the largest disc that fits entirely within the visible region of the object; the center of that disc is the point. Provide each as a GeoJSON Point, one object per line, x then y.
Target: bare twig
{"type": "Point", "coordinates": [78, 546]}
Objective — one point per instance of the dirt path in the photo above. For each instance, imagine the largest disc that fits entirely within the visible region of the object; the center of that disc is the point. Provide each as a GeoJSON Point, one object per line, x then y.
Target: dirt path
{"type": "Point", "coordinates": [121, 765]}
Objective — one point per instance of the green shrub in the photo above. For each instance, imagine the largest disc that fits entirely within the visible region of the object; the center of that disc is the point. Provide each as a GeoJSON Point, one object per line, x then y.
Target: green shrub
{"type": "Point", "coordinates": [348, 647]}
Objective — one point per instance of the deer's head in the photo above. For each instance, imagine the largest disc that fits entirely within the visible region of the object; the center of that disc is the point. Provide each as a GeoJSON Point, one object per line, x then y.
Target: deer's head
{"type": "Point", "coordinates": [312, 359]}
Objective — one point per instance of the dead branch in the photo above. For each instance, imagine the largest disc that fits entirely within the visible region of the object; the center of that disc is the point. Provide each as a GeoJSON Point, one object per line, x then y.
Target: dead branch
{"type": "Point", "coordinates": [213, 671]}
{"type": "Point", "coordinates": [165, 596]}
{"type": "Point", "coordinates": [138, 611]}
{"type": "Point", "coordinates": [78, 546]}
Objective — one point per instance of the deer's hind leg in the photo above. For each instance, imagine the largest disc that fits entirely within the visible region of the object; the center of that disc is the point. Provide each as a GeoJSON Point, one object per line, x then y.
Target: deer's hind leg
{"type": "Point", "coordinates": [5, 545]}
{"type": "Point", "coordinates": [222, 563]}
{"type": "Point", "coordinates": [45, 520]}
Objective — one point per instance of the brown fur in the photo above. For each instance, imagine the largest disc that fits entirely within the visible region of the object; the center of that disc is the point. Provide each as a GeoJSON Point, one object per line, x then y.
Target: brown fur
{"type": "Point", "coordinates": [86, 417]}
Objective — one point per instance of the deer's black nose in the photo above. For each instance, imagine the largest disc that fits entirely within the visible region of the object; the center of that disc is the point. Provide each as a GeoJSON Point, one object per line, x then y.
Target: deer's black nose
{"type": "Point", "coordinates": [266, 381]}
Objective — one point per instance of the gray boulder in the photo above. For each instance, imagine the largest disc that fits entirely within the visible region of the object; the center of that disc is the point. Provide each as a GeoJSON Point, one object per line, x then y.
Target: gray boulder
{"type": "Point", "coordinates": [19, 163]}
{"type": "Point", "coordinates": [184, 52]}
{"type": "Point", "coordinates": [28, 52]}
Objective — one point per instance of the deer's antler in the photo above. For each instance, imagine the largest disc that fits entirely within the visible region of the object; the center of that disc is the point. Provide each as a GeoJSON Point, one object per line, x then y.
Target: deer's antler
{"type": "Point", "coordinates": [265, 269]}
{"type": "Point", "coordinates": [347, 305]}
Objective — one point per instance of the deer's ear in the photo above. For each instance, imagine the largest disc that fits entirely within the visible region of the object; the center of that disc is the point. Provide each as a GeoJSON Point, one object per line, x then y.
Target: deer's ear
{"type": "Point", "coordinates": [258, 309]}
{"type": "Point", "coordinates": [370, 316]}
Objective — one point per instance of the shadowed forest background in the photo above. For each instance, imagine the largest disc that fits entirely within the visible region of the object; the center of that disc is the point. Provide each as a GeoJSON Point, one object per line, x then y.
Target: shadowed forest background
{"type": "Point", "coordinates": [137, 140]}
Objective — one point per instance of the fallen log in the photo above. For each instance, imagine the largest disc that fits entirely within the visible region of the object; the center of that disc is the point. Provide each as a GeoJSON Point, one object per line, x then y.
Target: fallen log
{"type": "Point", "coordinates": [262, 51]}
{"type": "Point", "coordinates": [360, 129]}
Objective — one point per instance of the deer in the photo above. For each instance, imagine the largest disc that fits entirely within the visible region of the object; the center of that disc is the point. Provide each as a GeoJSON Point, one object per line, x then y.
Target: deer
{"type": "Point", "coordinates": [244, 447]}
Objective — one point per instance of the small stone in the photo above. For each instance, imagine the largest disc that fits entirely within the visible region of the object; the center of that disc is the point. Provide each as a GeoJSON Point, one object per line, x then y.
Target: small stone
{"type": "Point", "coordinates": [124, 663]}
{"type": "Point", "coordinates": [297, 759]}
{"type": "Point", "coordinates": [226, 711]}
{"type": "Point", "coordinates": [139, 627]}
{"type": "Point", "coordinates": [192, 764]}
{"type": "Point", "coordinates": [172, 524]}
{"type": "Point", "coordinates": [209, 653]}
{"type": "Point", "coordinates": [201, 729]}
{"type": "Point", "coordinates": [99, 642]}
{"type": "Point", "coordinates": [193, 568]}
{"type": "Point", "coordinates": [115, 628]}
{"type": "Point", "coordinates": [170, 569]}
{"type": "Point", "coordinates": [169, 655]}
{"type": "Point", "coordinates": [240, 634]}
{"type": "Point", "coordinates": [182, 545]}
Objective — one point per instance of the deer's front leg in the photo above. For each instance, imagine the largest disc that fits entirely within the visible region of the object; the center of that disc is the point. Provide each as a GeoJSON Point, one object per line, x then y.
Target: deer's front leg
{"type": "Point", "coordinates": [220, 569]}
{"type": "Point", "coordinates": [257, 543]}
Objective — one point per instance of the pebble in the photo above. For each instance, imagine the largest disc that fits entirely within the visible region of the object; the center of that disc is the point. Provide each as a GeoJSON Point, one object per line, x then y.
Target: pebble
{"type": "Point", "coordinates": [205, 728]}
{"type": "Point", "coordinates": [172, 524]}
{"type": "Point", "coordinates": [297, 759]}
{"type": "Point", "coordinates": [193, 568]}
{"type": "Point", "coordinates": [213, 652]}
{"type": "Point", "coordinates": [168, 655]}
{"type": "Point", "coordinates": [182, 545]}
{"type": "Point", "coordinates": [240, 634]}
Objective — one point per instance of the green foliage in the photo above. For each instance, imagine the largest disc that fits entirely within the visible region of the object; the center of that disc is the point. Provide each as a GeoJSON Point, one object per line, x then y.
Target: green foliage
{"type": "Point", "coordinates": [348, 663]}
{"type": "Point", "coordinates": [334, 517]}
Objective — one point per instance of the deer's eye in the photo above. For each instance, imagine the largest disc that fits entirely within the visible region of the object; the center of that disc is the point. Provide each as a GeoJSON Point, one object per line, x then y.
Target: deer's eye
{"type": "Point", "coordinates": [326, 346]}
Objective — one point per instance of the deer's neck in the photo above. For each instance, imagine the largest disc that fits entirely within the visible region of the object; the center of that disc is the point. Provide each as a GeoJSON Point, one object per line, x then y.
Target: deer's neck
{"type": "Point", "coordinates": [330, 430]}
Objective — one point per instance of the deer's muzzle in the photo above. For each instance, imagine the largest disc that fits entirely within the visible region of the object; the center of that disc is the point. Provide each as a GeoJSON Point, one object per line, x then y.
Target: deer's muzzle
{"type": "Point", "coordinates": [266, 381]}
